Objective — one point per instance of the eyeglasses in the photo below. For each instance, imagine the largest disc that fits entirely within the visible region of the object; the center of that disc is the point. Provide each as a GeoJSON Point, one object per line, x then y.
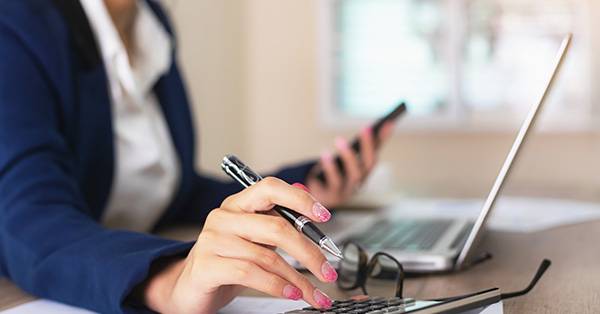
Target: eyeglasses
{"type": "Point", "coordinates": [356, 270]}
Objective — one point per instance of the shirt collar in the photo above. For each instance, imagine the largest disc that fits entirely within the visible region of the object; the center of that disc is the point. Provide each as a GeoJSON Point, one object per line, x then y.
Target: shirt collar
{"type": "Point", "coordinates": [152, 46]}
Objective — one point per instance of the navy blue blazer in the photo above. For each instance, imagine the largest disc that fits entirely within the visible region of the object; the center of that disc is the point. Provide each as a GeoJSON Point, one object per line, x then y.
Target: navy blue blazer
{"type": "Point", "coordinates": [57, 163]}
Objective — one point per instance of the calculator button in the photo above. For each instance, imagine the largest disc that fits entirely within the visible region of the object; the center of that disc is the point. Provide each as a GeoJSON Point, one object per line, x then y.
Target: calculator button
{"type": "Point", "coordinates": [395, 303]}
{"type": "Point", "coordinates": [393, 309]}
{"type": "Point", "coordinates": [361, 305]}
{"type": "Point", "coordinates": [347, 305]}
{"type": "Point", "coordinates": [343, 309]}
{"type": "Point", "coordinates": [377, 307]}
{"type": "Point", "coordinates": [373, 303]}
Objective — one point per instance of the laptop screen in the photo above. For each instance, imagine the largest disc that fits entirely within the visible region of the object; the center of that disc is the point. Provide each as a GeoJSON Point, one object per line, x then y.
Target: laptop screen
{"type": "Point", "coordinates": [475, 235]}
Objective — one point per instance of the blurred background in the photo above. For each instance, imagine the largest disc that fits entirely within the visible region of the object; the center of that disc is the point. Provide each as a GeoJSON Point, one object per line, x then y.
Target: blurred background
{"type": "Point", "coordinates": [274, 81]}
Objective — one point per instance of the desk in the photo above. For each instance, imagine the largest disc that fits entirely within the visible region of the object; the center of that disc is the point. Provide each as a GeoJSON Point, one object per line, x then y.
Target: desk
{"type": "Point", "coordinates": [571, 285]}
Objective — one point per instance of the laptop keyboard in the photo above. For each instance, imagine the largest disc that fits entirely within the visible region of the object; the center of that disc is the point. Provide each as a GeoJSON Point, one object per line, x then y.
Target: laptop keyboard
{"type": "Point", "coordinates": [408, 235]}
{"type": "Point", "coordinates": [460, 240]}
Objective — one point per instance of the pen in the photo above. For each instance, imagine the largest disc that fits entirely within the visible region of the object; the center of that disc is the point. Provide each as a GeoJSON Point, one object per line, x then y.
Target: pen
{"type": "Point", "coordinates": [236, 169]}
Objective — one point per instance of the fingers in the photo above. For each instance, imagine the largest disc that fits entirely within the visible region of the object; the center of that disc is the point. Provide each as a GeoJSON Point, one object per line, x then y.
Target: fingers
{"type": "Point", "coordinates": [367, 149]}
{"type": "Point", "coordinates": [332, 175]}
{"type": "Point", "coordinates": [301, 186]}
{"type": "Point", "coordinates": [268, 260]}
{"type": "Point", "coordinates": [240, 272]}
{"type": "Point", "coordinates": [278, 232]}
{"type": "Point", "coordinates": [386, 131]}
{"type": "Point", "coordinates": [269, 192]}
{"type": "Point", "coordinates": [352, 166]}
{"type": "Point", "coordinates": [245, 273]}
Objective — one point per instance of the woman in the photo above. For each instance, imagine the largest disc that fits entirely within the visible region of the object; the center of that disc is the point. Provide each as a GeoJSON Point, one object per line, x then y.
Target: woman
{"type": "Point", "coordinates": [96, 148]}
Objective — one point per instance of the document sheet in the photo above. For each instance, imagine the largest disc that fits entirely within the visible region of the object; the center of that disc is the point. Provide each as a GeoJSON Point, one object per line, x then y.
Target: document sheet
{"type": "Point", "coordinates": [241, 305]}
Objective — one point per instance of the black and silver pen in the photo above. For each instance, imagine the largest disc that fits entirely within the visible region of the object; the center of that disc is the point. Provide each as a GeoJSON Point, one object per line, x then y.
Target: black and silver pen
{"type": "Point", "coordinates": [236, 169]}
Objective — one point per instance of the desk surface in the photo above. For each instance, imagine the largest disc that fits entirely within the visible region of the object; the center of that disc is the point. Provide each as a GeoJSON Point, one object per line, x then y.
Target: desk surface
{"type": "Point", "coordinates": [572, 283]}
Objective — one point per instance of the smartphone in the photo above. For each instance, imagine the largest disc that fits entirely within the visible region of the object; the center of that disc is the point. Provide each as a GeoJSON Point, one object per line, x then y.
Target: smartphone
{"type": "Point", "coordinates": [355, 146]}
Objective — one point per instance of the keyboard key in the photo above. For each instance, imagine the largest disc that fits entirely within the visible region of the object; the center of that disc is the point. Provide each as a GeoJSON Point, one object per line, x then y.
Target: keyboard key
{"type": "Point", "coordinates": [411, 235]}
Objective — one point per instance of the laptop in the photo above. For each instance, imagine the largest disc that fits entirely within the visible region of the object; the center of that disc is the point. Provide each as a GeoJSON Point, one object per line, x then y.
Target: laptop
{"type": "Point", "coordinates": [439, 244]}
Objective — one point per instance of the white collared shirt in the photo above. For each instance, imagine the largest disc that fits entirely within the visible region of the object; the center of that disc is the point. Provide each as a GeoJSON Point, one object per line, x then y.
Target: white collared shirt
{"type": "Point", "coordinates": [146, 165]}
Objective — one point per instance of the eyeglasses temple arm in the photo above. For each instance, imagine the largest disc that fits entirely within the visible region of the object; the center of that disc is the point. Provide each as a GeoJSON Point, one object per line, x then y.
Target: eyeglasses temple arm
{"type": "Point", "coordinates": [540, 272]}
{"type": "Point", "coordinates": [400, 280]}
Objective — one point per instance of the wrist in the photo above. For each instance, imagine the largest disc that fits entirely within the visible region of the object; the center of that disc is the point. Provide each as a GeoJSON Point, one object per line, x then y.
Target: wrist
{"type": "Point", "coordinates": [158, 288]}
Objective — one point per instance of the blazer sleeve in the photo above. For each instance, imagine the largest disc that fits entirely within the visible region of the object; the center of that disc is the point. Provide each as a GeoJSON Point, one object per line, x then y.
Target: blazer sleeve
{"type": "Point", "coordinates": [49, 244]}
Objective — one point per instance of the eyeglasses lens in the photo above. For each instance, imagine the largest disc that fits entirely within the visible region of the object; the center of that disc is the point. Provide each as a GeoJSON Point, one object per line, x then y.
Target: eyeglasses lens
{"type": "Point", "coordinates": [349, 267]}
{"type": "Point", "coordinates": [382, 276]}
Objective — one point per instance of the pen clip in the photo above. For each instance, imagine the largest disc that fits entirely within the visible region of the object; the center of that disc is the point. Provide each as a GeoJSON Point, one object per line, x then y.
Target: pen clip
{"type": "Point", "coordinates": [236, 169]}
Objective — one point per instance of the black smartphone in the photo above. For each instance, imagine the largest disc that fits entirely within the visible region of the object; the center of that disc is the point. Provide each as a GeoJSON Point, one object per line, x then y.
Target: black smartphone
{"type": "Point", "coordinates": [393, 115]}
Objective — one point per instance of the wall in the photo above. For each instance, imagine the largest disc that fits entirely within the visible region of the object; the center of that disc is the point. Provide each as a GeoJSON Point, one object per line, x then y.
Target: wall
{"type": "Point", "coordinates": [211, 43]}
{"type": "Point", "coordinates": [260, 58]}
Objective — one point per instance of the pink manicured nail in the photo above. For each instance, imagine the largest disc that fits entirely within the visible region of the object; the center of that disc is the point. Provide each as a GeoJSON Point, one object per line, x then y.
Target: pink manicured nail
{"type": "Point", "coordinates": [329, 272]}
{"type": "Point", "coordinates": [341, 143]}
{"type": "Point", "coordinates": [321, 212]}
{"type": "Point", "coordinates": [322, 299]}
{"type": "Point", "coordinates": [301, 186]}
{"type": "Point", "coordinates": [292, 292]}
{"type": "Point", "coordinates": [366, 130]}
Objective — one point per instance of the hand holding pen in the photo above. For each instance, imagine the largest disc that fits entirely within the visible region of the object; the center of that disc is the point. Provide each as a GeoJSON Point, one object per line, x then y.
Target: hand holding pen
{"type": "Point", "coordinates": [240, 172]}
{"type": "Point", "coordinates": [234, 251]}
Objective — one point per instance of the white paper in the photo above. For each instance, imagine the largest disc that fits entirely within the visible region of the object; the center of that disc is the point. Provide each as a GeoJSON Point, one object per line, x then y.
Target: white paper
{"type": "Point", "coordinates": [241, 305]}
{"type": "Point", "coordinates": [45, 307]}
{"type": "Point", "coordinates": [514, 214]}
{"type": "Point", "coordinates": [496, 308]}
{"type": "Point", "coordinates": [257, 305]}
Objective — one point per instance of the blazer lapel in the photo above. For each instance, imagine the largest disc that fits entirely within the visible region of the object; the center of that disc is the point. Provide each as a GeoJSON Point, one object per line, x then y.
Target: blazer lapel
{"type": "Point", "coordinates": [95, 139]}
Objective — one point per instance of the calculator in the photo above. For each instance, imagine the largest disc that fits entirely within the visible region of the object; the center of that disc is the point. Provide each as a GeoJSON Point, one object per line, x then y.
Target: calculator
{"type": "Point", "coordinates": [473, 303]}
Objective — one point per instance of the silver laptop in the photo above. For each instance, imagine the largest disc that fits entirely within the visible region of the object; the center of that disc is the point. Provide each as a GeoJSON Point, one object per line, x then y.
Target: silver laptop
{"type": "Point", "coordinates": [431, 245]}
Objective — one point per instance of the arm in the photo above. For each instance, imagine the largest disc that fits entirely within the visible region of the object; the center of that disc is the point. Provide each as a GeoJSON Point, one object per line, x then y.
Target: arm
{"type": "Point", "coordinates": [49, 245]}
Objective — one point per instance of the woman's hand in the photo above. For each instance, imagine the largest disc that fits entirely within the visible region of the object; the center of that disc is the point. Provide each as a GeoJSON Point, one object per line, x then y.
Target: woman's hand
{"type": "Point", "coordinates": [235, 250]}
{"type": "Point", "coordinates": [338, 188]}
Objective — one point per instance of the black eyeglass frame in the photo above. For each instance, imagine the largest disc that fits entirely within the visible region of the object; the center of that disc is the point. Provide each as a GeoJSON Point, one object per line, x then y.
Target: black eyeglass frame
{"type": "Point", "coordinates": [366, 266]}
